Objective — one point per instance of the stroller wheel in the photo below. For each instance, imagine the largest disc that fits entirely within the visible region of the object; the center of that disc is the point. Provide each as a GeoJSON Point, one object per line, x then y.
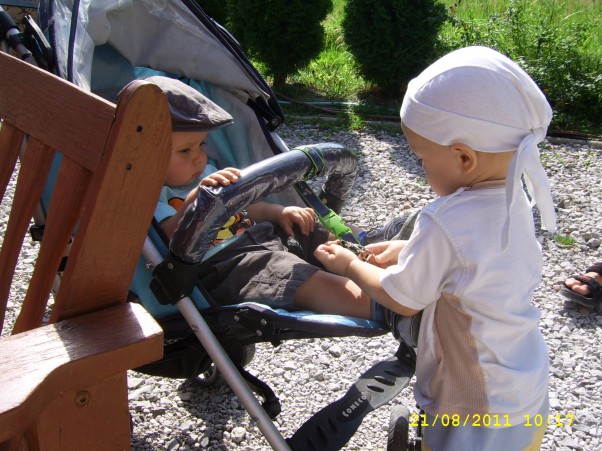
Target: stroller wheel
{"type": "Point", "coordinates": [212, 375]}
{"type": "Point", "coordinates": [399, 428]}
{"type": "Point", "coordinates": [207, 378]}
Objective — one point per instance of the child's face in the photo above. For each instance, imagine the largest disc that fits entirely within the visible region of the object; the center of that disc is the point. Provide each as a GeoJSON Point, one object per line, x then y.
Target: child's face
{"type": "Point", "coordinates": [188, 158]}
{"type": "Point", "coordinates": [439, 163]}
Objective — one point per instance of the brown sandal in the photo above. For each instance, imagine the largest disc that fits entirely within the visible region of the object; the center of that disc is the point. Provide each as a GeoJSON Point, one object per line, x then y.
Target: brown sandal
{"type": "Point", "coordinates": [595, 289]}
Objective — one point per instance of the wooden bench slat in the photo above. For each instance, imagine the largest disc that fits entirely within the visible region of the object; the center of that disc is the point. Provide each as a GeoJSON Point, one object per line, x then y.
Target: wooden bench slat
{"type": "Point", "coordinates": [111, 235]}
{"type": "Point", "coordinates": [63, 212]}
{"type": "Point", "coordinates": [65, 355]}
{"type": "Point", "coordinates": [35, 166]}
{"type": "Point", "coordinates": [84, 142]}
{"type": "Point", "coordinates": [10, 143]}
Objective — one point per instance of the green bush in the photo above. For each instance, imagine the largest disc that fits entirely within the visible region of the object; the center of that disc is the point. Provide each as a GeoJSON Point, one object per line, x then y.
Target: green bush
{"type": "Point", "coordinates": [552, 47]}
{"type": "Point", "coordinates": [393, 40]}
{"type": "Point", "coordinates": [283, 35]}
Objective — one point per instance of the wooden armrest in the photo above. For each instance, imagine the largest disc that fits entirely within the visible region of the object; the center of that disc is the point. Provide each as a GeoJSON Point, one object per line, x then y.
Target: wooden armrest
{"type": "Point", "coordinates": [38, 365]}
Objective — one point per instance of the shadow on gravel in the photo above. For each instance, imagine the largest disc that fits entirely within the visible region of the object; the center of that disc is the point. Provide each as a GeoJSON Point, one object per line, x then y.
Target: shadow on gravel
{"type": "Point", "coordinates": [580, 317]}
{"type": "Point", "coordinates": [219, 410]}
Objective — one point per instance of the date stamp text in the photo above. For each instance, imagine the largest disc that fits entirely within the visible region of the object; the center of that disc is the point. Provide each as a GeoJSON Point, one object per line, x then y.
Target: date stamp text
{"type": "Point", "coordinates": [489, 420]}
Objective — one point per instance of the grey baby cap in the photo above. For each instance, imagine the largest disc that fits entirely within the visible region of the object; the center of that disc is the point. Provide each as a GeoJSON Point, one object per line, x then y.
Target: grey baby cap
{"type": "Point", "coordinates": [190, 110]}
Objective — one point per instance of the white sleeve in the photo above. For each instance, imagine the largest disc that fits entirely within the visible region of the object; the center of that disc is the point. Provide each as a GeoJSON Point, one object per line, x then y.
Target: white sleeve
{"type": "Point", "coordinates": [424, 266]}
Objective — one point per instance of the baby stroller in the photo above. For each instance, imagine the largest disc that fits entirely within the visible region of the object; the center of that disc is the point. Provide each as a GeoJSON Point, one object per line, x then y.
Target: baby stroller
{"type": "Point", "coordinates": [101, 46]}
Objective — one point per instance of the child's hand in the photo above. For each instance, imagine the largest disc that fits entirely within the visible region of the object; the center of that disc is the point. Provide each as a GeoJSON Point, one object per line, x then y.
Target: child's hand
{"type": "Point", "coordinates": [305, 218]}
{"type": "Point", "coordinates": [386, 253]}
{"type": "Point", "coordinates": [223, 177]}
{"type": "Point", "coordinates": [334, 257]}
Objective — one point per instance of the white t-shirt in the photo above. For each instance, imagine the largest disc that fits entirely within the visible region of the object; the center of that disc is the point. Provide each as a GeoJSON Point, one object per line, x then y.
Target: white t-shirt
{"type": "Point", "coordinates": [479, 348]}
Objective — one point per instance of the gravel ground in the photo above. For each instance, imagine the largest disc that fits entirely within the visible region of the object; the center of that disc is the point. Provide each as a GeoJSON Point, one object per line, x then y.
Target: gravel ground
{"type": "Point", "coordinates": [309, 374]}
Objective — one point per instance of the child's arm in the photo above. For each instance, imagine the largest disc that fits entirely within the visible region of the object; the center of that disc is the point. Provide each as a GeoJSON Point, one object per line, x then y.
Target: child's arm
{"type": "Point", "coordinates": [285, 217]}
{"type": "Point", "coordinates": [386, 253]}
{"type": "Point", "coordinates": [342, 261]}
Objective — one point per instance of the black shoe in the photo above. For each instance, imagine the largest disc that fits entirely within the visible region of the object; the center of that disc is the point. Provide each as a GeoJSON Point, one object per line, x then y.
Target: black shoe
{"type": "Point", "coordinates": [396, 229]}
{"type": "Point", "coordinates": [404, 328]}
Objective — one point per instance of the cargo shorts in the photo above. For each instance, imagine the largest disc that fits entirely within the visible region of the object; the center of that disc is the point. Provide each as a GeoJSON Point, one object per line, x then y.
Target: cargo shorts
{"type": "Point", "coordinates": [263, 265]}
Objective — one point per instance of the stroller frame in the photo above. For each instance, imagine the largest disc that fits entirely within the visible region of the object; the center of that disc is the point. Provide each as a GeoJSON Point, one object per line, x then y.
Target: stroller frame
{"type": "Point", "coordinates": [376, 387]}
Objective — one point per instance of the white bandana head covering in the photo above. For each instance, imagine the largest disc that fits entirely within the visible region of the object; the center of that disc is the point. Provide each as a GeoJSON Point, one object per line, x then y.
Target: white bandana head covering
{"type": "Point", "coordinates": [478, 97]}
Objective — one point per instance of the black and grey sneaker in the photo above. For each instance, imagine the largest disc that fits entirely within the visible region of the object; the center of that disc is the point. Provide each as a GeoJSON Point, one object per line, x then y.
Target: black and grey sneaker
{"type": "Point", "coordinates": [404, 328]}
{"type": "Point", "coordinates": [399, 228]}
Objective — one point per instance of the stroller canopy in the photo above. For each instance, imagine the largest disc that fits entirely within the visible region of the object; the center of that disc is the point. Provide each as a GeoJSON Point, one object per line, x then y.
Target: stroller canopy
{"type": "Point", "coordinates": [171, 36]}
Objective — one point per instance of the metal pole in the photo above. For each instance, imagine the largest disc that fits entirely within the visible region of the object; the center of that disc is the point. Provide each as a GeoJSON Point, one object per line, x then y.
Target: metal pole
{"type": "Point", "coordinates": [222, 361]}
{"type": "Point", "coordinates": [230, 373]}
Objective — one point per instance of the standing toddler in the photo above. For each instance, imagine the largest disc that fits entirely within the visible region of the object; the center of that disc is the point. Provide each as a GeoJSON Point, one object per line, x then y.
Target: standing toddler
{"type": "Point", "coordinates": [474, 119]}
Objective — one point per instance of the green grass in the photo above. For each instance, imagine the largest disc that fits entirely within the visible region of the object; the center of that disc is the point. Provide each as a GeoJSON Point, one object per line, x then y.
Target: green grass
{"type": "Point", "coordinates": [558, 42]}
{"type": "Point", "coordinates": [561, 13]}
{"type": "Point", "coordinates": [565, 240]}
{"type": "Point", "coordinates": [333, 75]}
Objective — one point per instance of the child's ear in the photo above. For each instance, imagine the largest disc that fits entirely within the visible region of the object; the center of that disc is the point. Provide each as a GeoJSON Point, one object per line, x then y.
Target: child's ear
{"type": "Point", "coordinates": [466, 157]}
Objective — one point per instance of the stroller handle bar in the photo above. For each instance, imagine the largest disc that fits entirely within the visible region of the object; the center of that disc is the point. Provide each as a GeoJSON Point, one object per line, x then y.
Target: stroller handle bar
{"type": "Point", "coordinates": [213, 206]}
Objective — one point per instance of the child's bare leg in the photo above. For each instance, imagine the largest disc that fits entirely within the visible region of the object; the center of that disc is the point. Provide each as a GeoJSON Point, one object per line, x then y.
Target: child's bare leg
{"type": "Point", "coordinates": [324, 292]}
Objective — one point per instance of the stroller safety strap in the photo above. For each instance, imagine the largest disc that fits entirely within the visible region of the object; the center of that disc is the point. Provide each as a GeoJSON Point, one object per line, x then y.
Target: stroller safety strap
{"type": "Point", "coordinates": [327, 216]}
{"type": "Point", "coordinates": [329, 219]}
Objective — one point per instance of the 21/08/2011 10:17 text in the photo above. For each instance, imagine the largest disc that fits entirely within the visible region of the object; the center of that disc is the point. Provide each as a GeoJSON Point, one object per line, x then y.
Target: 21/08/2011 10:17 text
{"type": "Point", "coordinates": [488, 420]}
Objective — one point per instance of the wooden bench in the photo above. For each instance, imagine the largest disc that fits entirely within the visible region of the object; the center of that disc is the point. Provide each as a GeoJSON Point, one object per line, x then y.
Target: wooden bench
{"type": "Point", "coordinates": [63, 384]}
